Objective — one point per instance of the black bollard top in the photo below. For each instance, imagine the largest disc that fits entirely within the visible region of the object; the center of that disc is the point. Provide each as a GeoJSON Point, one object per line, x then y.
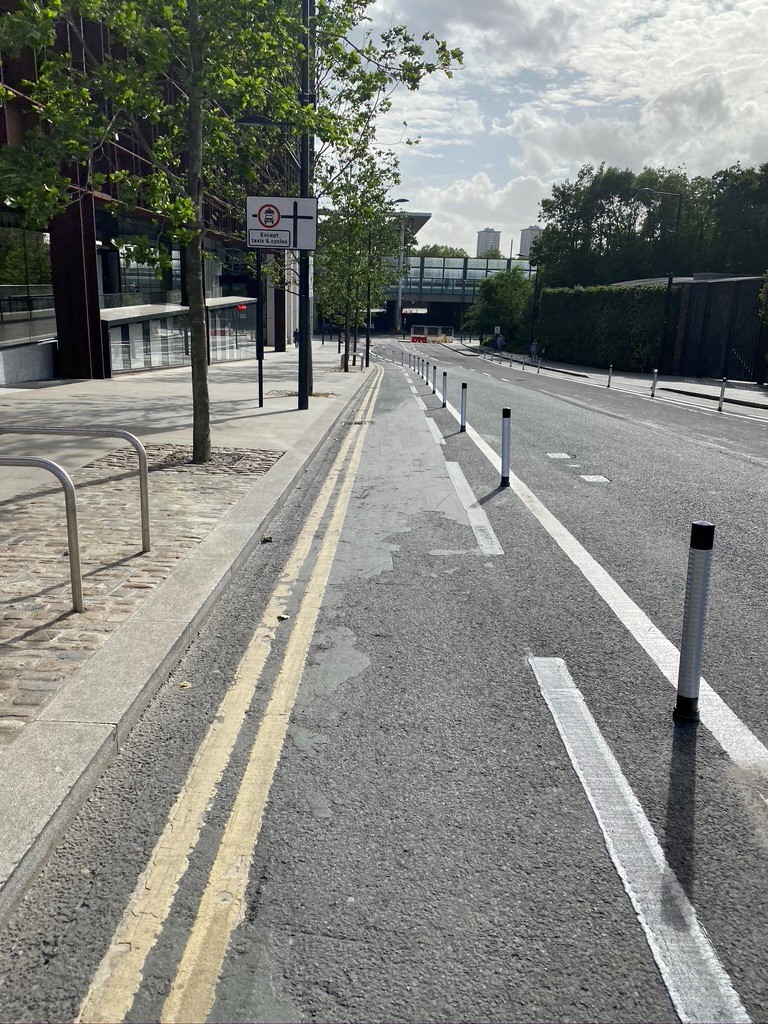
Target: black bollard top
{"type": "Point", "coordinates": [505, 413]}
{"type": "Point", "coordinates": [702, 535]}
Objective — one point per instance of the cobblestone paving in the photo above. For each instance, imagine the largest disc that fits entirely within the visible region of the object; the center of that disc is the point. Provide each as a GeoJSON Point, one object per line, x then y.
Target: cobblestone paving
{"type": "Point", "coordinates": [43, 642]}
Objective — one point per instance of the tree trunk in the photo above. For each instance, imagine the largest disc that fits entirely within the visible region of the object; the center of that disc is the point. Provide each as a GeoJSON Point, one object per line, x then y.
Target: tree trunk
{"type": "Point", "coordinates": [201, 411]}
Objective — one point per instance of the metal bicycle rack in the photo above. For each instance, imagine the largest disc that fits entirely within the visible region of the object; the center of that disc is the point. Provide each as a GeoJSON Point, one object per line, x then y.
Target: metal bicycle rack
{"type": "Point", "coordinates": [70, 502]}
{"type": "Point", "coordinates": [19, 428]}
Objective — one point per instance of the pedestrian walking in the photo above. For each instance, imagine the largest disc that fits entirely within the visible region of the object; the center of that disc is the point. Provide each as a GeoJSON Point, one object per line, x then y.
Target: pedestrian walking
{"type": "Point", "coordinates": [499, 342]}
{"type": "Point", "coordinates": [296, 337]}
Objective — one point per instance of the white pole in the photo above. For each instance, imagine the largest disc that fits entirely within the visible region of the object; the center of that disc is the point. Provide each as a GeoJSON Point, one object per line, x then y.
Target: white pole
{"type": "Point", "coordinates": [445, 386]}
{"type": "Point", "coordinates": [505, 424]}
{"type": "Point", "coordinates": [610, 374]}
{"type": "Point", "coordinates": [722, 395]}
{"type": "Point", "coordinates": [653, 385]}
{"type": "Point", "coordinates": [694, 613]}
{"type": "Point", "coordinates": [463, 421]}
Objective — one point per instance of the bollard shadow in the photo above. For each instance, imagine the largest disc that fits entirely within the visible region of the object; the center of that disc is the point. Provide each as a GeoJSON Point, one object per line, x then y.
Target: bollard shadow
{"type": "Point", "coordinates": [680, 839]}
{"type": "Point", "coordinates": [491, 494]}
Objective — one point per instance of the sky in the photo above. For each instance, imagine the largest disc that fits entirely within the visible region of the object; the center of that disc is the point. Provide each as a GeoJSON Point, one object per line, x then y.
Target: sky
{"type": "Point", "coordinates": [547, 87]}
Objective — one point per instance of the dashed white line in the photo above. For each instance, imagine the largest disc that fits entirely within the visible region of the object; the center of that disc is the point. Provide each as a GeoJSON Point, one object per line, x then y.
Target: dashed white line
{"type": "Point", "coordinates": [697, 982]}
{"type": "Point", "coordinates": [736, 739]}
{"type": "Point", "coordinates": [487, 540]}
{"type": "Point", "coordinates": [421, 404]}
{"type": "Point", "coordinates": [558, 455]}
{"type": "Point", "coordinates": [594, 478]}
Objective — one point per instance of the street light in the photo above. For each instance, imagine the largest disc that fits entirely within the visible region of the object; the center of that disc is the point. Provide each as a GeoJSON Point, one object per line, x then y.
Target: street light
{"type": "Point", "coordinates": [400, 261]}
{"type": "Point", "coordinates": [668, 294]}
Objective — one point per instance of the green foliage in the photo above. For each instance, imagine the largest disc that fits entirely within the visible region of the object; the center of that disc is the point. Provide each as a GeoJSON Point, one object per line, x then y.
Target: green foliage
{"type": "Point", "coordinates": [24, 257]}
{"type": "Point", "coordinates": [602, 326]}
{"type": "Point", "coordinates": [613, 225]}
{"type": "Point", "coordinates": [446, 251]}
{"type": "Point", "coordinates": [355, 236]}
{"type": "Point", "coordinates": [502, 302]}
{"type": "Point", "coordinates": [493, 254]}
{"type": "Point", "coordinates": [763, 300]}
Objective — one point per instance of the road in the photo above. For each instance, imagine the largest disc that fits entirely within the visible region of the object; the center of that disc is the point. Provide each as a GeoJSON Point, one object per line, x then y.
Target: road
{"type": "Point", "coordinates": [371, 789]}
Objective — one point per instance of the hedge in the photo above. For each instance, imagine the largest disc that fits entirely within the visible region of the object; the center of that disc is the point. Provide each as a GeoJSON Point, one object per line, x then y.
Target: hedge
{"type": "Point", "coordinates": [604, 326]}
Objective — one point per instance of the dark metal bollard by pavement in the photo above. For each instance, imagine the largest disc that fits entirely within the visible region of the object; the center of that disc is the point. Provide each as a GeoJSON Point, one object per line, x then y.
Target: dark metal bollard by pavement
{"type": "Point", "coordinates": [653, 386]}
{"type": "Point", "coordinates": [463, 413]}
{"type": "Point", "coordinates": [694, 613]}
{"type": "Point", "coordinates": [445, 386]}
{"type": "Point", "coordinates": [538, 368]}
{"type": "Point", "coordinates": [722, 395]}
{"type": "Point", "coordinates": [505, 424]}
{"type": "Point", "coordinates": [434, 381]}
{"type": "Point", "coordinates": [610, 374]}
{"type": "Point", "coordinates": [426, 375]}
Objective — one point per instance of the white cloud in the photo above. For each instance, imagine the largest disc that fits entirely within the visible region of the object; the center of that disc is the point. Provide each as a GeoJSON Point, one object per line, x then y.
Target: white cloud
{"type": "Point", "coordinates": [547, 88]}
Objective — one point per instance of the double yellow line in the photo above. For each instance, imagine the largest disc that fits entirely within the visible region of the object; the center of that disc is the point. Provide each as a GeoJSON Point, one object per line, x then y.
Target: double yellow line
{"type": "Point", "coordinates": [118, 977]}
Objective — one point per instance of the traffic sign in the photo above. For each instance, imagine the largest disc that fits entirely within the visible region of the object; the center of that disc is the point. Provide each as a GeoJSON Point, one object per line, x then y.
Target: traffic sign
{"type": "Point", "coordinates": [281, 222]}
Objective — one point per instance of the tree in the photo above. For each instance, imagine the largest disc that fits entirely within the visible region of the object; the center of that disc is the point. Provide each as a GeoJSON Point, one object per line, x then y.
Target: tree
{"type": "Point", "coordinates": [502, 302]}
{"type": "Point", "coordinates": [446, 251]}
{"type": "Point", "coordinates": [166, 79]}
{"type": "Point", "coordinates": [356, 236]}
{"type": "Point", "coordinates": [493, 254]}
{"type": "Point", "coordinates": [613, 225]}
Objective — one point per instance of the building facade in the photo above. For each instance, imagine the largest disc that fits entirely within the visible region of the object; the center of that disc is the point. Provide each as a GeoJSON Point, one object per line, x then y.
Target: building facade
{"type": "Point", "coordinates": [76, 301]}
{"type": "Point", "coordinates": [488, 239]}
{"type": "Point", "coordinates": [527, 236]}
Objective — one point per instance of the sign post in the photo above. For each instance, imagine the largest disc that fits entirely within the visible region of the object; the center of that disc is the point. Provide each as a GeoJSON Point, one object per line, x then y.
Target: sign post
{"type": "Point", "coordinates": [285, 222]}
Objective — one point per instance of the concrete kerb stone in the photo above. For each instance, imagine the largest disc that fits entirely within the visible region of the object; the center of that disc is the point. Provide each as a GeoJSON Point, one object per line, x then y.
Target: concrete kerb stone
{"type": "Point", "coordinates": [54, 765]}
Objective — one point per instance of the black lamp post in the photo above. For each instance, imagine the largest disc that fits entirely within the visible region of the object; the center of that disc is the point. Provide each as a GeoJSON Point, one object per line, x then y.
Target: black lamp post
{"type": "Point", "coordinates": [668, 294]}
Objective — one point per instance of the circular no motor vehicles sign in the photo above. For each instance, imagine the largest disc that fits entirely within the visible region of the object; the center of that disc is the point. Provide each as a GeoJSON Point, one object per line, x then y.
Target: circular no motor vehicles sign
{"type": "Point", "coordinates": [268, 215]}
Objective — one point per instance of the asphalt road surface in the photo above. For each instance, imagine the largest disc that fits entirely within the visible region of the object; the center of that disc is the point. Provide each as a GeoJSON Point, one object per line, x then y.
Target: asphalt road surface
{"type": "Point", "coordinates": [445, 784]}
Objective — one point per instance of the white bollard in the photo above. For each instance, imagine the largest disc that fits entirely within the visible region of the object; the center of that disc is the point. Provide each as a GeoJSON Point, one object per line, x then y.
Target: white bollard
{"type": "Point", "coordinates": [463, 413]}
{"type": "Point", "coordinates": [434, 376]}
{"type": "Point", "coordinates": [653, 385]}
{"type": "Point", "coordinates": [610, 374]}
{"type": "Point", "coordinates": [694, 613]}
{"type": "Point", "coordinates": [445, 386]}
{"type": "Point", "coordinates": [505, 425]}
{"type": "Point", "coordinates": [722, 395]}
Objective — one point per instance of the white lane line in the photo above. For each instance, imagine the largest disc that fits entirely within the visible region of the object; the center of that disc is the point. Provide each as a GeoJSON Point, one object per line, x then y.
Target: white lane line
{"type": "Point", "coordinates": [558, 455]}
{"type": "Point", "coordinates": [487, 540]}
{"type": "Point", "coordinates": [738, 741]}
{"type": "Point", "coordinates": [506, 381]}
{"type": "Point", "coordinates": [421, 404]}
{"type": "Point", "coordinates": [697, 982]}
{"type": "Point", "coordinates": [413, 390]}
{"type": "Point", "coordinates": [439, 439]}
{"type": "Point", "coordinates": [594, 478]}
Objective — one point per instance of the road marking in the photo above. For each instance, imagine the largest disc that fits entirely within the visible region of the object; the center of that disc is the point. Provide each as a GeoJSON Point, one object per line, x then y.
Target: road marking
{"type": "Point", "coordinates": [736, 739]}
{"type": "Point", "coordinates": [413, 390]}
{"type": "Point", "coordinates": [487, 540]}
{"type": "Point", "coordinates": [223, 903]}
{"type": "Point", "coordinates": [119, 974]}
{"type": "Point", "coordinates": [558, 455]}
{"type": "Point", "coordinates": [506, 381]}
{"type": "Point", "coordinates": [594, 478]}
{"type": "Point", "coordinates": [697, 982]}
{"type": "Point", "coordinates": [436, 433]}
{"type": "Point", "coordinates": [421, 404]}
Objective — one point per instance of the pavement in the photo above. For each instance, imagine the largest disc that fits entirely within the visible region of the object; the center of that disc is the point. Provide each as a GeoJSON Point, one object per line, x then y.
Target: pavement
{"type": "Point", "coordinates": [73, 684]}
